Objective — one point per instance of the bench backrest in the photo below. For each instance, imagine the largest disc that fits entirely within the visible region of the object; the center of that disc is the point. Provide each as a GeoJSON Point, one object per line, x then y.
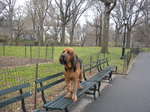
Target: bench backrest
{"type": "Point", "coordinates": [53, 81]}
{"type": "Point", "coordinates": [16, 98]}
{"type": "Point", "coordinates": [100, 64]}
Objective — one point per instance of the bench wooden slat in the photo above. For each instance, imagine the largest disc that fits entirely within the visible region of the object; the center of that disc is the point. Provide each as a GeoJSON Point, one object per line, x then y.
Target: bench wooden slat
{"type": "Point", "coordinates": [49, 77]}
{"type": "Point", "coordinates": [13, 89]}
{"type": "Point", "coordinates": [87, 85]}
{"type": "Point", "coordinates": [50, 85]}
{"type": "Point", "coordinates": [38, 110]}
{"type": "Point", "coordinates": [100, 75]}
{"type": "Point", "coordinates": [15, 99]}
{"type": "Point", "coordinates": [61, 103]}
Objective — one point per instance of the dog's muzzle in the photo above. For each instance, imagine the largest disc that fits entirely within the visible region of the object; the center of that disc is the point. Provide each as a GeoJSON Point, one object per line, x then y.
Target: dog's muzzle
{"type": "Point", "coordinates": [63, 59]}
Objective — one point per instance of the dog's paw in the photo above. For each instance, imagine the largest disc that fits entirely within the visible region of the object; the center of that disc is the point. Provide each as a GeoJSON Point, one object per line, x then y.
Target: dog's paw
{"type": "Point", "coordinates": [80, 87]}
{"type": "Point", "coordinates": [68, 95]}
{"type": "Point", "coordinates": [74, 98]}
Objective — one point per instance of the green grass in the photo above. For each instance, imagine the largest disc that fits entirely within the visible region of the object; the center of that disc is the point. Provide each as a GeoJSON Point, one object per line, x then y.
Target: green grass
{"type": "Point", "coordinates": [146, 49]}
{"type": "Point", "coordinates": [27, 73]}
{"type": "Point", "coordinates": [22, 51]}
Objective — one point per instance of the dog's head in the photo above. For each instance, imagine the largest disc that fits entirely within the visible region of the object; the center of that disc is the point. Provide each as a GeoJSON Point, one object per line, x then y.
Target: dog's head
{"type": "Point", "coordinates": [68, 57]}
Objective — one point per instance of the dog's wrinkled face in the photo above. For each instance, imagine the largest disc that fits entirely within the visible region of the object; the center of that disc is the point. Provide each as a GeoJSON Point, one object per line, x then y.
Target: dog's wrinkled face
{"type": "Point", "coordinates": [66, 56]}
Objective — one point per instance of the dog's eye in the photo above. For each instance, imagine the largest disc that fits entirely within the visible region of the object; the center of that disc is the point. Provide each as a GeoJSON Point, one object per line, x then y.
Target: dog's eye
{"type": "Point", "coordinates": [68, 52]}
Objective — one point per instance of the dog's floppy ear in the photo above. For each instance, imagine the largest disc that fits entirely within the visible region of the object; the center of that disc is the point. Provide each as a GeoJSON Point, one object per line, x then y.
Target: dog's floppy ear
{"type": "Point", "coordinates": [74, 62]}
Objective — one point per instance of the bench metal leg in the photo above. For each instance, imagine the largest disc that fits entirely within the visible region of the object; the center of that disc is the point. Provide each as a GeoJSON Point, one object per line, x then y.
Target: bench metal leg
{"type": "Point", "coordinates": [116, 69]}
{"type": "Point", "coordinates": [110, 76]}
{"type": "Point", "coordinates": [22, 102]}
{"type": "Point", "coordinates": [66, 109]}
{"type": "Point", "coordinates": [46, 109]}
{"type": "Point", "coordinates": [99, 85]}
{"type": "Point", "coordinates": [95, 91]}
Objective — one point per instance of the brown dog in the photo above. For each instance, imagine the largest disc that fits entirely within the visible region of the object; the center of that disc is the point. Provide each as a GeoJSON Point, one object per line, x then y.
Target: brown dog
{"type": "Point", "coordinates": [73, 72]}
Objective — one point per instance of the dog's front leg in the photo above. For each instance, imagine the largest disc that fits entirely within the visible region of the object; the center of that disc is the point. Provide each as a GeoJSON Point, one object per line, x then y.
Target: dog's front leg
{"type": "Point", "coordinates": [80, 80]}
{"type": "Point", "coordinates": [69, 89]}
{"type": "Point", "coordinates": [75, 86]}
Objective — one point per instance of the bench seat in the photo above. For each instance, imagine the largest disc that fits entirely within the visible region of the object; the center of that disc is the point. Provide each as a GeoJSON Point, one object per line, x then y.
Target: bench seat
{"type": "Point", "coordinates": [62, 103]}
{"type": "Point", "coordinates": [100, 75]}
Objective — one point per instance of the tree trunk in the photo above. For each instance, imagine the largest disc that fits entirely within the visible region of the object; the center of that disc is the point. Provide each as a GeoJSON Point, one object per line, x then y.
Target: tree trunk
{"type": "Point", "coordinates": [72, 34]}
{"type": "Point", "coordinates": [41, 35]}
{"type": "Point", "coordinates": [116, 37]}
{"type": "Point", "coordinates": [97, 36]}
{"type": "Point", "coordinates": [128, 38]}
{"type": "Point", "coordinates": [62, 42]}
{"type": "Point", "coordinates": [100, 32]}
{"type": "Point", "coordinates": [83, 42]}
{"type": "Point", "coordinates": [105, 30]}
{"type": "Point", "coordinates": [10, 24]}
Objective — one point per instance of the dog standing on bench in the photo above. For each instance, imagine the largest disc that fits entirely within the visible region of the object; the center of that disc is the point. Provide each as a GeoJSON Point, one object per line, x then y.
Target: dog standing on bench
{"type": "Point", "coordinates": [73, 72]}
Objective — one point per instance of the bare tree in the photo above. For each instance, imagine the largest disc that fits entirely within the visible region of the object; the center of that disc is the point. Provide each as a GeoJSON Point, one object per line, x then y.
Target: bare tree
{"type": "Point", "coordinates": [117, 17]}
{"type": "Point", "coordinates": [69, 10]}
{"type": "Point", "coordinates": [9, 14]}
{"type": "Point", "coordinates": [42, 8]}
{"type": "Point", "coordinates": [146, 13]}
{"type": "Point", "coordinates": [2, 6]}
{"type": "Point", "coordinates": [38, 12]}
{"type": "Point", "coordinates": [98, 23]}
{"type": "Point", "coordinates": [19, 24]}
{"type": "Point", "coordinates": [109, 6]}
{"type": "Point", "coordinates": [78, 8]}
{"type": "Point", "coordinates": [32, 13]}
{"type": "Point", "coordinates": [65, 13]}
{"type": "Point", "coordinates": [131, 9]}
{"type": "Point", "coordinates": [83, 35]}
{"type": "Point", "coordinates": [54, 23]}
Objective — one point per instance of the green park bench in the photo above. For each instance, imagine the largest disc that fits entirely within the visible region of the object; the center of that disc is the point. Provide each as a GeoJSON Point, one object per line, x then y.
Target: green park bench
{"type": "Point", "coordinates": [104, 69]}
{"type": "Point", "coordinates": [90, 86]}
{"type": "Point", "coordinates": [21, 97]}
{"type": "Point", "coordinates": [60, 103]}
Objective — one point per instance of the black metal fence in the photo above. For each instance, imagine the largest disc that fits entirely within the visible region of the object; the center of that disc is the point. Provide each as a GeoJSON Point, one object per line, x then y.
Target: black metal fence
{"type": "Point", "coordinates": [25, 55]}
{"type": "Point", "coordinates": [130, 55]}
{"type": "Point", "coordinates": [27, 51]}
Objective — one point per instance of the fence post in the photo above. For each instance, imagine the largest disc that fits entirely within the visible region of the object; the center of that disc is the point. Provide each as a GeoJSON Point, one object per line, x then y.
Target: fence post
{"type": "Point", "coordinates": [104, 55]}
{"type": "Point", "coordinates": [3, 49]}
{"type": "Point", "coordinates": [39, 51]}
{"type": "Point", "coordinates": [35, 92]}
{"type": "Point", "coordinates": [46, 51]}
{"type": "Point", "coordinates": [31, 52]}
{"type": "Point", "coordinates": [90, 64]}
{"type": "Point", "coordinates": [53, 52]}
{"type": "Point", "coordinates": [25, 50]}
{"type": "Point", "coordinates": [125, 64]}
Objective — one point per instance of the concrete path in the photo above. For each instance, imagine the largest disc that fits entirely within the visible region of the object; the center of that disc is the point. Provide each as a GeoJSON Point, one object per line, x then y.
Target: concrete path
{"type": "Point", "coordinates": [127, 94]}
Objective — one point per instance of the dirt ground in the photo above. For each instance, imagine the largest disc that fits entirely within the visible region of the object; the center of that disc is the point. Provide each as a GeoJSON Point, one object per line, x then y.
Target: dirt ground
{"type": "Point", "coordinates": [11, 61]}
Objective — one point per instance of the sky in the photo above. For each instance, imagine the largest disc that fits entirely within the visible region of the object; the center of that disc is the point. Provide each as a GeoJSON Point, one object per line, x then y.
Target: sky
{"type": "Point", "coordinates": [20, 2]}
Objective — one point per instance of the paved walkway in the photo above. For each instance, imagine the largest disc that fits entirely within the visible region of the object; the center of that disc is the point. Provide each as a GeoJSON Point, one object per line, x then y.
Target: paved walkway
{"type": "Point", "coordinates": [127, 94]}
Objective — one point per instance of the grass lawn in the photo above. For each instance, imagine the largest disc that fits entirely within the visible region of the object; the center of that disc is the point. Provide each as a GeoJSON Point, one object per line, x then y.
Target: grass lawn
{"type": "Point", "coordinates": [22, 51]}
{"type": "Point", "coordinates": [27, 73]}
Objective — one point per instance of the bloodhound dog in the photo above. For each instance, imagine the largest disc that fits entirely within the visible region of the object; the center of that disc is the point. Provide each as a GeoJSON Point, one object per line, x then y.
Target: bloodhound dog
{"type": "Point", "coordinates": [73, 72]}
